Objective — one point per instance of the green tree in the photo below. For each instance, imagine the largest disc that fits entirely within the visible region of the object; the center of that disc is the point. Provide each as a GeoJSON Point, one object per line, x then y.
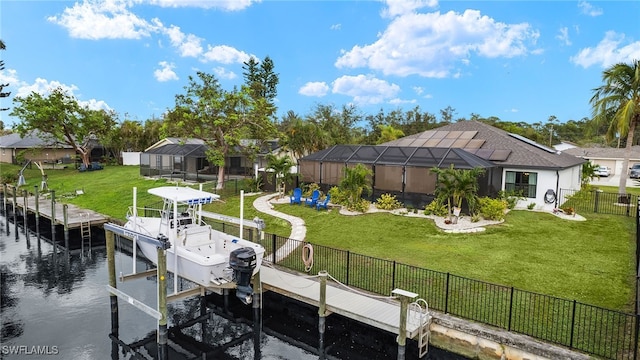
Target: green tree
{"type": "Point", "coordinates": [456, 185]}
{"type": "Point", "coordinates": [356, 181]}
{"type": "Point", "coordinates": [281, 167]}
{"type": "Point", "coordinates": [220, 118]}
{"type": "Point", "coordinates": [2, 86]}
{"type": "Point", "coordinates": [617, 102]}
{"type": "Point", "coordinates": [60, 116]}
{"type": "Point", "coordinates": [389, 133]}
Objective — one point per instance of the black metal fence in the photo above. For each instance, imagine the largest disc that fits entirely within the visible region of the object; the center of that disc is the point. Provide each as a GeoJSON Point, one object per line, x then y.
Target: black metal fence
{"type": "Point", "coordinates": [594, 330]}
{"type": "Point", "coordinates": [600, 202]}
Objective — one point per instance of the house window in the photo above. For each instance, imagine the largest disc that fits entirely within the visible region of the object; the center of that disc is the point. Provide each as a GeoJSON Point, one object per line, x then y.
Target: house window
{"type": "Point", "coordinates": [521, 182]}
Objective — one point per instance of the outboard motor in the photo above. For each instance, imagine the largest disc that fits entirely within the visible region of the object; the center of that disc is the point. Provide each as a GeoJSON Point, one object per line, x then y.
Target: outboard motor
{"type": "Point", "coordinates": [243, 261]}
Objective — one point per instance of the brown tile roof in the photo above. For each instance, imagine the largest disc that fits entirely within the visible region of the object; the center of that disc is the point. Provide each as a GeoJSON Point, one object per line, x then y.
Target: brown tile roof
{"type": "Point", "coordinates": [491, 143]}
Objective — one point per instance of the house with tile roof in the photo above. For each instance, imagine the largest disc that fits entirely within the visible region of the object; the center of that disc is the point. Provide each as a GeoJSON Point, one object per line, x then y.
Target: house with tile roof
{"type": "Point", "coordinates": [511, 163]}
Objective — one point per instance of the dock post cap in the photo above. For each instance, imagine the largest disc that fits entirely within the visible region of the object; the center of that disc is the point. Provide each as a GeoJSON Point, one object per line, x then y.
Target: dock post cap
{"type": "Point", "coordinates": [404, 293]}
{"type": "Point", "coordinates": [323, 273]}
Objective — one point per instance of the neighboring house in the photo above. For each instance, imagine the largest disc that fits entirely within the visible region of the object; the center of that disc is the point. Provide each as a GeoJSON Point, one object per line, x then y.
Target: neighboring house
{"type": "Point", "coordinates": [36, 147]}
{"type": "Point", "coordinates": [564, 145]}
{"type": "Point", "coordinates": [611, 157]}
{"type": "Point", "coordinates": [187, 159]}
{"type": "Point", "coordinates": [511, 162]}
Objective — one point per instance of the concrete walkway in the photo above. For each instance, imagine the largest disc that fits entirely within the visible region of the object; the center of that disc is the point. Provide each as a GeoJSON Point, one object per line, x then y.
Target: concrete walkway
{"type": "Point", "coordinates": [298, 228]}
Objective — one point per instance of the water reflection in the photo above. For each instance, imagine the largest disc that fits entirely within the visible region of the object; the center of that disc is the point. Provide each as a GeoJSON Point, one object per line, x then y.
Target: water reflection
{"type": "Point", "coordinates": [61, 301]}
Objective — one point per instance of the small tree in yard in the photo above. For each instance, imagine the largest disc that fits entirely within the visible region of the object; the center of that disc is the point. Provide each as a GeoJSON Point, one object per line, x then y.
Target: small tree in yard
{"type": "Point", "coordinates": [281, 167]}
{"type": "Point", "coordinates": [456, 185]}
{"type": "Point", "coordinates": [355, 182]}
{"type": "Point", "coordinates": [64, 120]}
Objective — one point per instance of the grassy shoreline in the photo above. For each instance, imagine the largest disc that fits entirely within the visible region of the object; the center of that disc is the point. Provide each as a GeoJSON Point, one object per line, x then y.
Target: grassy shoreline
{"type": "Point", "coordinates": [589, 261]}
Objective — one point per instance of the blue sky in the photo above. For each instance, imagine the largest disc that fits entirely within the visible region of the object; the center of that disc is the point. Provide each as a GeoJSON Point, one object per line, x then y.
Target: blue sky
{"type": "Point", "coordinates": [517, 60]}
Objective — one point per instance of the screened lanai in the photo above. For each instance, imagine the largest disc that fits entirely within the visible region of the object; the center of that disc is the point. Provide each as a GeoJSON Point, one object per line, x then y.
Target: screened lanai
{"type": "Point", "coordinates": [400, 170]}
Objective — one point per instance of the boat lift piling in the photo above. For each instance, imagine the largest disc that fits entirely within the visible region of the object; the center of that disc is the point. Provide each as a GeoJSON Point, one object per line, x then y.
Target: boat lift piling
{"type": "Point", "coordinates": [53, 227]}
{"type": "Point", "coordinates": [162, 244]}
{"type": "Point", "coordinates": [257, 326]}
{"type": "Point", "coordinates": [26, 220]}
{"type": "Point", "coordinates": [405, 297]}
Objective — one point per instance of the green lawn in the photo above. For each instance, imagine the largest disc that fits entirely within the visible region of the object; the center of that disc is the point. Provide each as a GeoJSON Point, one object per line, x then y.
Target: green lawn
{"type": "Point", "coordinates": [590, 261]}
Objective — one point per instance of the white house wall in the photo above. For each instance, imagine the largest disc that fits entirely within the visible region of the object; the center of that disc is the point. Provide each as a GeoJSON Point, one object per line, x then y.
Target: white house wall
{"type": "Point", "coordinates": [548, 179]}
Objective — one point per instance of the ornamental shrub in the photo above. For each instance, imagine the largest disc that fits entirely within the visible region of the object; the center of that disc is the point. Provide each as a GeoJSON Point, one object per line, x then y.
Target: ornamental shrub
{"type": "Point", "coordinates": [388, 202]}
{"type": "Point", "coordinates": [492, 209]}
{"type": "Point", "coordinates": [436, 208]}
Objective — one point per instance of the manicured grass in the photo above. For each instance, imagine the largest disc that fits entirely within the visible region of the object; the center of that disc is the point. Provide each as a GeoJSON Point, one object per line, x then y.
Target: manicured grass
{"type": "Point", "coordinates": [589, 261]}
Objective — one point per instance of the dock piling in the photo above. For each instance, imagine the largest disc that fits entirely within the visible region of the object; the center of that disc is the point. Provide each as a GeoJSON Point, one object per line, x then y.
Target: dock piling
{"type": "Point", "coordinates": [65, 217]}
{"type": "Point", "coordinates": [15, 212]}
{"type": "Point", "coordinates": [26, 218]}
{"type": "Point", "coordinates": [4, 207]}
{"type": "Point", "coordinates": [322, 312]}
{"type": "Point", "coordinates": [37, 200]}
{"type": "Point", "coordinates": [53, 227]}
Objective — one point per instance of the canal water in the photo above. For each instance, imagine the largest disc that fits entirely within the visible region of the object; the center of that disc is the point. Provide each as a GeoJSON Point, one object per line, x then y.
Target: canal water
{"type": "Point", "coordinates": [57, 307]}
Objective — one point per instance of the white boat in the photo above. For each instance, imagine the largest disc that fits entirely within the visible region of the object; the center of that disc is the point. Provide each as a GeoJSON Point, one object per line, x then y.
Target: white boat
{"type": "Point", "coordinates": [197, 252]}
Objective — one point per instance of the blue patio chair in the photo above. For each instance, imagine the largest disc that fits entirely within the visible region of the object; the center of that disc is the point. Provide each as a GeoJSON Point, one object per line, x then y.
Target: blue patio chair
{"type": "Point", "coordinates": [296, 198]}
{"type": "Point", "coordinates": [324, 203]}
{"type": "Point", "coordinates": [313, 200]}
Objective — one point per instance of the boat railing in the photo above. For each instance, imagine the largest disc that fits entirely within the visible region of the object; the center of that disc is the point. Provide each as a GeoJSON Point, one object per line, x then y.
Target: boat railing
{"type": "Point", "coordinates": [145, 211]}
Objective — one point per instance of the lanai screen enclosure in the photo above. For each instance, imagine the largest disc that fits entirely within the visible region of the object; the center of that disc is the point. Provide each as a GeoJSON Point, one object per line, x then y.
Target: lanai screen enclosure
{"type": "Point", "coordinates": [399, 170]}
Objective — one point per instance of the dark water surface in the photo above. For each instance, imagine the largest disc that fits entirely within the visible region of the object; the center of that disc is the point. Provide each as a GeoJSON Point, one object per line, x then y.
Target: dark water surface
{"type": "Point", "coordinates": [62, 311]}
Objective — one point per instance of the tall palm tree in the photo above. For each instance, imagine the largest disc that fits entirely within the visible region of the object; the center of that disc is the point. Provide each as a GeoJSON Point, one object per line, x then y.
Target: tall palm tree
{"type": "Point", "coordinates": [617, 102]}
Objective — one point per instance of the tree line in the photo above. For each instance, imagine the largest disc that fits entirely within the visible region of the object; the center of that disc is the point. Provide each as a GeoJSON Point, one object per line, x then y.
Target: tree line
{"type": "Point", "coordinates": [226, 119]}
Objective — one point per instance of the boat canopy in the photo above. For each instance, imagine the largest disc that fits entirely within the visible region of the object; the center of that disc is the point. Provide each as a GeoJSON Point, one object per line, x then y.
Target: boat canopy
{"type": "Point", "coordinates": [184, 195]}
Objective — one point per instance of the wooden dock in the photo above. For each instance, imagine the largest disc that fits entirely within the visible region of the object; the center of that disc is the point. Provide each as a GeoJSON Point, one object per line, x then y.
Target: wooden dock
{"type": "Point", "coordinates": [377, 311]}
{"type": "Point", "coordinates": [75, 216]}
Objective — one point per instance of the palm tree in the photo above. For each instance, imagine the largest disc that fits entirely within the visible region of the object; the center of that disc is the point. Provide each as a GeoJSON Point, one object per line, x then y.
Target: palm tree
{"type": "Point", "coordinates": [389, 133]}
{"type": "Point", "coordinates": [617, 102]}
{"type": "Point", "coordinates": [355, 182]}
{"type": "Point", "coordinates": [456, 185]}
{"type": "Point", "coordinates": [281, 167]}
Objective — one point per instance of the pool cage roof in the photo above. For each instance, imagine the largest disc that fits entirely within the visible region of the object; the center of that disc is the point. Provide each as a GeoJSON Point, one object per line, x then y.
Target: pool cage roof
{"type": "Point", "coordinates": [186, 150]}
{"type": "Point", "coordinates": [400, 156]}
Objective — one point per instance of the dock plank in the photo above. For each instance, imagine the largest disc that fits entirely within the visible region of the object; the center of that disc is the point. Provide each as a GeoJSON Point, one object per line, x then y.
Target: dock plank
{"type": "Point", "coordinates": [75, 214]}
{"type": "Point", "coordinates": [377, 311]}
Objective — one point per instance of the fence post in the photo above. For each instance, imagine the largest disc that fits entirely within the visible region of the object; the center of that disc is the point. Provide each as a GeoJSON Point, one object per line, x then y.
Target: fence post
{"type": "Point", "coordinates": [573, 324]}
{"type": "Point", "coordinates": [393, 276]}
{"type": "Point", "coordinates": [595, 204]}
{"type": "Point", "coordinates": [273, 247]}
{"type": "Point", "coordinates": [446, 296]}
{"type": "Point", "coordinates": [348, 266]}
{"type": "Point", "coordinates": [510, 309]}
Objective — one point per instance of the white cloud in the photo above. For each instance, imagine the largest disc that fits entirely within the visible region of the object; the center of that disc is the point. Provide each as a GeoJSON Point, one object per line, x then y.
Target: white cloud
{"type": "Point", "coordinates": [108, 19]}
{"type": "Point", "coordinates": [335, 27]}
{"type": "Point", "coordinates": [228, 5]}
{"type": "Point", "coordinates": [564, 36]}
{"type": "Point", "coordinates": [589, 9]}
{"type": "Point", "coordinates": [608, 52]}
{"type": "Point", "coordinates": [318, 89]}
{"type": "Point", "coordinates": [365, 89]}
{"type": "Point", "coordinates": [401, 7]}
{"type": "Point", "coordinates": [402, 102]}
{"type": "Point", "coordinates": [188, 45]}
{"type": "Point", "coordinates": [223, 73]}
{"type": "Point", "coordinates": [430, 45]}
{"type": "Point", "coordinates": [165, 73]}
{"type": "Point", "coordinates": [418, 89]}
{"type": "Point", "coordinates": [226, 55]}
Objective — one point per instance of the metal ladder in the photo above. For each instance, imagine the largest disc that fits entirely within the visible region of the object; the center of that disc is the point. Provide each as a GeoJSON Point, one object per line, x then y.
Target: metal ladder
{"type": "Point", "coordinates": [85, 233]}
{"type": "Point", "coordinates": [419, 315]}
